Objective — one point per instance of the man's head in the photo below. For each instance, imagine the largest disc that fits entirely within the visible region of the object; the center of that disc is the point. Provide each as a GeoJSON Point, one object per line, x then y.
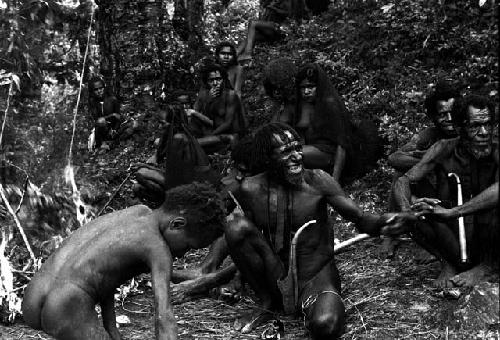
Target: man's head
{"type": "Point", "coordinates": [225, 53]}
{"type": "Point", "coordinates": [196, 216]}
{"type": "Point", "coordinates": [474, 116]}
{"type": "Point", "coordinates": [439, 107]}
{"type": "Point", "coordinates": [307, 83]}
{"type": "Point", "coordinates": [279, 79]}
{"type": "Point", "coordinates": [214, 76]}
{"type": "Point", "coordinates": [97, 88]}
{"type": "Point", "coordinates": [277, 149]}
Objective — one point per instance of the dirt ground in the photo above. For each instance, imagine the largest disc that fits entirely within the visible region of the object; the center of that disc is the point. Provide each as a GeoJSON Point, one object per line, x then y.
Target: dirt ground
{"type": "Point", "coordinates": [385, 299]}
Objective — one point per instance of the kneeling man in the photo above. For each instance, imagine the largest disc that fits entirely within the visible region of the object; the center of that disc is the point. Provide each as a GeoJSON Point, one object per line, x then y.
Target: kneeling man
{"type": "Point", "coordinates": [98, 257]}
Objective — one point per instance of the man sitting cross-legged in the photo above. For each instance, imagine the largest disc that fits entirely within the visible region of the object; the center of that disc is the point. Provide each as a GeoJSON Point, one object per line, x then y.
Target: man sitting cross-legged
{"type": "Point", "coordinates": [276, 203]}
{"type": "Point", "coordinates": [98, 257]}
{"type": "Point", "coordinates": [473, 158]}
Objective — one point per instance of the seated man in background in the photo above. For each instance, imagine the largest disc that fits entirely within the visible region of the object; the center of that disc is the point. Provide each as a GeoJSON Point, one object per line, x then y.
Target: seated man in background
{"type": "Point", "coordinates": [438, 107]}
{"type": "Point", "coordinates": [269, 26]}
{"type": "Point", "coordinates": [217, 119]}
{"type": "Point", "coordinates": [98, 257]}
{"type": "Point", "coordinates": [109, 124]}
{"type": "Point", "coordinates": [472, 158]}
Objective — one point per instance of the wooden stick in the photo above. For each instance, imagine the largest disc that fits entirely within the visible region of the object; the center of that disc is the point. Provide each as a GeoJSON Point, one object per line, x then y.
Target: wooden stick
{"type": "Point", "coordinates": [114, 194]}
{"type": "Point", "coordinates": [342, 245]}
{"type": "Point", "coordinates": [18, 223]}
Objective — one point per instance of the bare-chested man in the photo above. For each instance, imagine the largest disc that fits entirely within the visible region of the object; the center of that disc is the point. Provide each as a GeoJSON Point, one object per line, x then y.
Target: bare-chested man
{"type": "Point", "coordinates": [473, 157]}
{"type": "Point", "coordinates": [98, 257]}
{"type": "Point", "coordinates": [217, 118]}
{"type": "Point", "coordinates": [275, 204]}
{"type": "Point", "coordinates": [438, 107]}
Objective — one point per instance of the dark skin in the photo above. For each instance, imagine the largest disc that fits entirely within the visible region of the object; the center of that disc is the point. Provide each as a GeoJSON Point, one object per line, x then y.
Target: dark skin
{"type": "Point", "coordinates": [313, 157]}
{"type": "Point", "coordinates": [104, 110]}
{"type": "Point", "coordinates": [262, 30]}
{"type": "Point", "coordinates": [223, 112]}
{"type": "Point", "coordinates": [96, 259]}
{"type": "Point", "coordinates": [412, 152]}
{"type": "Point", "coordinates": [261, 266]}
{"type": "Point", "coordinates": [234, 71]}
{"type": "Point", "coordinates": [437, 233]}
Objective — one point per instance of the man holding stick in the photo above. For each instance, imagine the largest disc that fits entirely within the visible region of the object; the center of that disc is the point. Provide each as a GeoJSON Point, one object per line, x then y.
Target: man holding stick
{"type": "Point", "coordinates": [464, 237]}
{"type": "Point", "coordinates": [276, 203]}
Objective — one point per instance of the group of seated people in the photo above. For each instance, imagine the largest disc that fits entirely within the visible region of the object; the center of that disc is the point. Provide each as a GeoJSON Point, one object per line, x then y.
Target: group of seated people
{"type": "Point", "coordinates": [278, 196]}
{"type": "Point", "coordinates": [271, 214]}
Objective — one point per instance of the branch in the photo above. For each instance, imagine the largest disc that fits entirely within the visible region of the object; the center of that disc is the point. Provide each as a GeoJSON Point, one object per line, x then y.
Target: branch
{"type": "Point", "coordinates": [18, 224]}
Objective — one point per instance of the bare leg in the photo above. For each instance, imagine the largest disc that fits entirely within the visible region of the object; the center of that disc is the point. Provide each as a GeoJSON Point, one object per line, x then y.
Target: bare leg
{"type": "Point", "coordinates": [260, 267]}
{"type": "Point", "coordinates": [109, 317]}
{"type": "Point", "coordinates": [440, 240]}
{"type": "Point", "coordinates": [323, 306]}
{"type": "Point", "coordinates": [258, 31]}
{"type": "Point", "coordinates": [69, 314]}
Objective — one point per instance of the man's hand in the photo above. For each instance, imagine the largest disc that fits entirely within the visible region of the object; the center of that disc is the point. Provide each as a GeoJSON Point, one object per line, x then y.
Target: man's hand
{"type": "Point", "coordinates": [215, 91]}
{"type": "Point", "coordinates": [399, 223]}
{"type": "Point", "coordinates": [430, 207]}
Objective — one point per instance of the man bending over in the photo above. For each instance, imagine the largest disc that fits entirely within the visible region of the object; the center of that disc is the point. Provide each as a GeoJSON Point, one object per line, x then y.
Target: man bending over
{"type": "Point", "coordinates": [98, 257]}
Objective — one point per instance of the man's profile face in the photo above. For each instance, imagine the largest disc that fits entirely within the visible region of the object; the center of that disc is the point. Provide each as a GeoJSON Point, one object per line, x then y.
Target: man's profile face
{"type": "Point", "coordinates": [443, 119]}
{"type": "Point", "coordinates": [286, 158]}
{"type": "Point", "coordinates": [214, 80]}
{"type": "Point", "coordinates": [478, 131]}
{"type": "Point", "coordinates": [308, 90]}
{"type": "Point", "coordinates": [98, 89]}
{"type": "Point", "coordinates": [225, 56]}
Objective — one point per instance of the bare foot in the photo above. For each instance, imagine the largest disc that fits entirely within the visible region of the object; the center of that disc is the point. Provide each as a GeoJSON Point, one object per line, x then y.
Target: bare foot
{"type": "Point", "coordinates": [472, 276]}
{"type": "Point", "coordinates": [252, 320]}
{"type": "Point", "coordinates": [443, 280]}
{"type": "Point", "coordinates": [231, 291]}
{"type": "Point", "coordinates": [424, 257]}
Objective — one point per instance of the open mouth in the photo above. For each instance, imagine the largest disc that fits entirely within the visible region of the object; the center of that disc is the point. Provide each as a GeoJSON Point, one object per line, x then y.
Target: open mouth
{"type": "Point", "coordinates": [295, 169]}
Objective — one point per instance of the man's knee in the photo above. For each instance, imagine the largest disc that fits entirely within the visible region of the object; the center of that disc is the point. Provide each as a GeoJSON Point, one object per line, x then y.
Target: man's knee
{"type": "Point", "coordinates": [101, 122]}
{"type": "Point", "coordinates": [327, 325]}
{"type": "Point", "coordinates": [238, 230]}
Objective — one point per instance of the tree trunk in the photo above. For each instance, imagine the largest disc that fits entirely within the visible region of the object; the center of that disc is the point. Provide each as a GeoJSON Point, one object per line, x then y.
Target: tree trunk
{"type": "Point", "coordinates": [187, 22]}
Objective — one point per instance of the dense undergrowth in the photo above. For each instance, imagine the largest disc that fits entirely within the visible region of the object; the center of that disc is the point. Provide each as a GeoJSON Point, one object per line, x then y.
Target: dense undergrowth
{"type": "Point", "coordinates": [383, 57]}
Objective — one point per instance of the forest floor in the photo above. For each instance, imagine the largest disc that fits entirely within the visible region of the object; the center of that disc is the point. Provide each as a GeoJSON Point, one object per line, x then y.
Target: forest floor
{"type": "Point", "coordinates": [384, 298]}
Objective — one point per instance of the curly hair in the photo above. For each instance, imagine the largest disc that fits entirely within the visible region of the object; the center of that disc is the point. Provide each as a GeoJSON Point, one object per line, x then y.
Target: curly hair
{"type": "Point", "coordinates": [223, 44]}
{"type": "Point", "coordinates": [280, 74]}
{"type": "Point", "coordinates": [200, 203]}
{"type": "Point", "coordinates": [242, 151]}
{"type": "Point", "coordinates": [460, 109]}
{"type": "Point", "coordinates": [211, 67]}
{"type": "Point", "coordinates": [263, 144]}
{"type": "Point", "coordinates": [444, 90]}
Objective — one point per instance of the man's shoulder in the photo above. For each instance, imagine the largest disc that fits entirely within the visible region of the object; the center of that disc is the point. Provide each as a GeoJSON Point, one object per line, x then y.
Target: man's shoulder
{"type": "Point", "coordinates": [441, 149]}
{"type": "Point", "coordinates": [321, 181]}
{"type": "Point", "coordinates": [252, 183]}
